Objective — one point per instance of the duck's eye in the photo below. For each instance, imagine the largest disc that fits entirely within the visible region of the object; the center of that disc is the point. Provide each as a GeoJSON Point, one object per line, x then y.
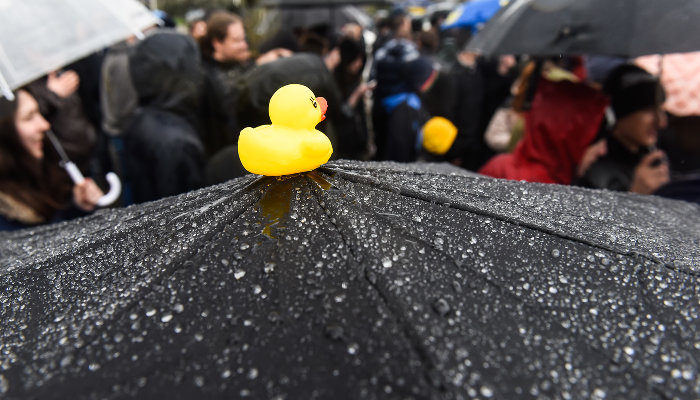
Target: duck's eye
{"type": "Point", "coordinates": [313, 101]}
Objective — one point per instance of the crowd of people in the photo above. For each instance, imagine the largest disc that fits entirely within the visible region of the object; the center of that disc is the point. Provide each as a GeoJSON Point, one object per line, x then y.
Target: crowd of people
{"type": "Point", "coordinates": [165, 112]}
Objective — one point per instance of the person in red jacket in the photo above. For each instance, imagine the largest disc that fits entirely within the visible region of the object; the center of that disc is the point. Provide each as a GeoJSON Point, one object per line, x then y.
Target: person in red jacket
{"type": "Point", "coordinates": [563, 120]}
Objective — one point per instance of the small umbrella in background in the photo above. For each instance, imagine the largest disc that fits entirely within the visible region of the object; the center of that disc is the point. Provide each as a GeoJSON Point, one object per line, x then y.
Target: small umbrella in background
{"type": "Point", "coordinates": [585, 27]}
{"type": "Point", "coordinates": [473, 14]}
{"type": "Point", "coordinates": [39, 36]}
{"type": "Point", "coordinates": [337, 16]}
{"type": "Point", "coordinates": [680, 76]}
{"type": "Point", "coordinates": [358, 280]}
{"type": "Point", "coordinates": [320, 3]}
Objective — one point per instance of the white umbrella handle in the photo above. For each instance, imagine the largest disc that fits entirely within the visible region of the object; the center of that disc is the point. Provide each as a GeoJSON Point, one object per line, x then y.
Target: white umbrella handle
{"type": "Point", "coordinates": [115, 185]}
{"type": "Point", "coordinates": [115, 189]}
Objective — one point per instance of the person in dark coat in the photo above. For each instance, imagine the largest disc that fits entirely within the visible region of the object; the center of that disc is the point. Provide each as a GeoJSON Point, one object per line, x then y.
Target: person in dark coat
{"type": "Point", "coordinates": [164, 155]}
{"type": "Point", "coordinates": [631, 161]}
{"type": "Point", "coordinates": [225, 59]}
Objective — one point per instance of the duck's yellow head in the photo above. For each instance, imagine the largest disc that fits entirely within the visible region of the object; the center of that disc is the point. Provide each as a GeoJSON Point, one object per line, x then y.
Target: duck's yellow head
{"type": "Point", "coordinates": [295, 106]}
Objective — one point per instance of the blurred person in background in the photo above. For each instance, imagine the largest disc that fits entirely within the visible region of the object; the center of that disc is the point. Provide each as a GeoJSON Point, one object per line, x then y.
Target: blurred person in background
{"type": "Point", "coordinates": [629, 159]}
{"type": "Point", "coordinates": [34, 189]}
{"type": "Point", "coordinates": [163, 153]}
{"type": "Point", "coordinates": [225, 58]}
{"type": "Point", "coordinates": [59, 103]}
{"type": "Point", "coordinates": [563, 118]}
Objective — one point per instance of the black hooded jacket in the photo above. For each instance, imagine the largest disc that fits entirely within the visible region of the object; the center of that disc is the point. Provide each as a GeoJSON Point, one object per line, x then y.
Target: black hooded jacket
{"type": "Point", "coordinates": [164, 155]}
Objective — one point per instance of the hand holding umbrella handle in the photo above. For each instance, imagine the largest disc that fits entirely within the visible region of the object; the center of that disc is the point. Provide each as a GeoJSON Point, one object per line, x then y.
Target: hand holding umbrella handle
{"type": "Point", "coordinates": [115, 185]}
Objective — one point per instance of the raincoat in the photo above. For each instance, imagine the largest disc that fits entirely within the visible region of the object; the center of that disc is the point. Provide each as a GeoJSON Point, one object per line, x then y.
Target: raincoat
{"type": "Point", "coordinates": [564, 119]}
{"type": "Point", "coordinates": [222, 84]}
{"type": "Point", "coordinates": [163, 153]}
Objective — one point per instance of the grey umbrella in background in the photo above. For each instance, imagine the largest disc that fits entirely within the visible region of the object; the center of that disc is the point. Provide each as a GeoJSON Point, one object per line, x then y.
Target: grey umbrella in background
{"type": "Point", "coordinates": [39, 36]}
{"type": "Point", "coordinates": [358, 280]}
{"type": "Point", "coordinates": [322, 3]}
{"type": "Point", "coordinates": [628, 28]}
{"type": "Point", "coordinates": [335, 16]}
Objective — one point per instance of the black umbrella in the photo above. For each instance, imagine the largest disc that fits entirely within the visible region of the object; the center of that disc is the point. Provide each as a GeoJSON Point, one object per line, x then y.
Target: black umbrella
{"type": "Point", "coordinates": [360, 280]}
{"type": "Point", "coordinates": [321, 3]}
{"type": "Point", "coordinates": [620, 28]}
{"type": "Point", "coordinates": [335, 16]}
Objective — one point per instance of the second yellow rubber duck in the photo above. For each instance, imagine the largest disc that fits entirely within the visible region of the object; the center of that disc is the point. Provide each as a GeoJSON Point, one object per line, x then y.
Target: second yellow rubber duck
{"type": "Point", "coordinates": [290, 144]}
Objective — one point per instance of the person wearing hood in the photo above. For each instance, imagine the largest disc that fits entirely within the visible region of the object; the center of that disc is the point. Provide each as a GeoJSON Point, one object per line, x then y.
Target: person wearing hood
{"type": "Point", "coordinates": [398, 113]}
{"type": "Point", "coordinates": [163, 153]}
{"type": "Point", "coordinates": [34, 189]}
{"type": "Point", "coordinates": [563, 119]}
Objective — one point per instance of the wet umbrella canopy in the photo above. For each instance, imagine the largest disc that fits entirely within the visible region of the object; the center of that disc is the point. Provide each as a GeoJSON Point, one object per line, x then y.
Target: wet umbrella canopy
{"type": "Point", "coordinates": [359, 280]}
{"type": "Point", "coordinates": [619, 28]}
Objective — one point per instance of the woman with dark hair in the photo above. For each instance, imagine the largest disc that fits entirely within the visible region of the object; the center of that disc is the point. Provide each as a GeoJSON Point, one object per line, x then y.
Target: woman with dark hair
{"type": "Point", "coordinates": [34, 190]}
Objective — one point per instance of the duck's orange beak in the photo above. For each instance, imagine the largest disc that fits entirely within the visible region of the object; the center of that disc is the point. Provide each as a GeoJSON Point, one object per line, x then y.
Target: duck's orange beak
{"type": "Point", "coordinates": [324, 106]}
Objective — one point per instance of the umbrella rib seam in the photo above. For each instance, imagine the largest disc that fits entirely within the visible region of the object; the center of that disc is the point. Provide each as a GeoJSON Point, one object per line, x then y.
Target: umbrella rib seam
{"type": "Point", "coordinates": [545, 311]}
{"type": "Point", "coordinates": [411, 336]}
{"type": "Point", "coordinates": [367, 181]}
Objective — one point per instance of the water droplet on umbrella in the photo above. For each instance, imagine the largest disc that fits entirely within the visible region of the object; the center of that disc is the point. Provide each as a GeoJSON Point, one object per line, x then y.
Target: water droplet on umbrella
{"type": "Point", "coordinates": [239, 274]}
{"type": "Point", "coordinates": [598, 394]}
{"type": "Point", "coordinates": [441, 306]}
{"type": "Point", "coordinates": [178, 308]}
{"type": "Point", "coordinates": [556, 253]}
{"type": "Point", "coordinates": [486, 391]}
{"type": "Point", "coordinates": [93, 366]}
{"type": "Point", "coordinates": [353, 348]}
{"type": "Point", "coordinates": [150, 312]}
{"type": "Point", "coordinates": [226, 374]}
{"type": "Point", "coordinates": [269, 267]}
{"type": "Point", "coordinates": [4, 385]}
{"type": "Point", "coordinates": [253, 373]}
{"type": "Point", "coordinates": [166, 317]}
{"type": "Point", "coordinates": [118, 337]}
{"type": "Point", "coordinates": [386, 262]}
{"type": "Point", "coordinates": [199, 381]}
{"type": "Point", "coordinates": [66, 361]}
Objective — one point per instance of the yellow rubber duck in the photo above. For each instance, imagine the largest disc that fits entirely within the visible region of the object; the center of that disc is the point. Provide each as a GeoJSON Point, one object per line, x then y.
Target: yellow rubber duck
{"type": "Point", "coordinates": [290, 144]}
